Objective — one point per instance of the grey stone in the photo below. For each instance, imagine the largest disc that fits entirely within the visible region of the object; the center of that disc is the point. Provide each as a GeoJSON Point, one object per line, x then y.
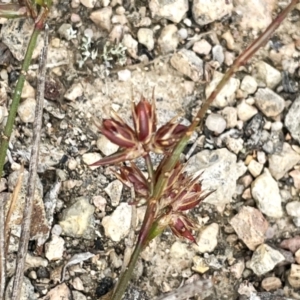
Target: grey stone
{"type": "Point", "coordinates": [207, 11]}
{"type": "Point", "coordinates": [15, 34]}
{"type": "Point", "coordinates": [168, 39]}
{"type": "Point", "coordinates": [220, 173]}
{"type": "Point", "coordinates": [27, 291]}
{"type": "Point", "coordinates": [218, 54]}
{"type": "Point", "coordinates": [171, 10]}
{"type": "Point", "coordinates": [265, 259]}
{"type": "Point", "coordinates": [265, 192]}
{"type": "Point", "coordinates": [249, 85]}
{"type": "Point", "coordinates": [280, 164]}
{"type": "Point", "coordinates": [230, 116]}
{"type": "Point", "coordinates": [255, 14]}
{"type": "Point", "coordinates": [293, 209]}
{"type": "Point", "coordinates": [188, 63]}
{"type": "Point", "coordinates": [65, 30]}
{"type": "Point", "coordinates": [267, 74]}
{"type": "Point", "coordinates": [292, 120]}
{"type": "Point", "coordinates": [268, 102]}
{"type": "Point", "coordinates": [114, 191]}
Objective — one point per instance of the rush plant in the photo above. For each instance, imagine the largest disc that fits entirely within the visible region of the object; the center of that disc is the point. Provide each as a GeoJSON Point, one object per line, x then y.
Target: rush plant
{"type": "Point", "coordinates": [169, 191]}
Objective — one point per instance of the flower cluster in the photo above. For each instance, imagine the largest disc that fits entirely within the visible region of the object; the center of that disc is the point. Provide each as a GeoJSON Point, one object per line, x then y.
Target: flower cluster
{"type": "Point", "coordinates": [181, 192]}
{"type": "Point", "coordinates": [143, 138]}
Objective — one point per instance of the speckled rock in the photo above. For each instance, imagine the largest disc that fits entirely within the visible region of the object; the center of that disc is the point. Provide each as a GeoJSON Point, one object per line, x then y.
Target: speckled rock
{"type": "Point", "coordinates": [26, 110]}
{"type": "Point", "coordinates": [293, 210]}
{"type": "Point", "coordinates": [248, 85]}
{"type": "Point", "coordinates": [268, 102]}
{"type": "Point", "coordinates": [54, 248]}
{"type": "Point", "coordinates": [15, 34]}
{"type": "Point", "coordinates": [28, 91]}
{"type": "Point", "coordinates": [173, 11]}
{"type": "Point", "coordinates": [292, 120]}
{"type": "Point", "coordinates": [256, 14]}
{"type": "Point", "coordinates": [294, 276]}
{"type": "Point", "coordinates": [207, 239]}
{"type": "Point", "coordinates": [265, 259]}
{"type": "Point", "coordinates": [114, 191]}
{"type": "Point", "coordinates": [230, 116]}
{"type": "Point", "coordinates": [245, 111]}
{"type": "Point", "coordinates": [255, 168]}
{"type": "Point", "coordinates": [267, 74]}
{"type": "Point", "coordinates": [78, 219]}
{"type": "Point", "coordinates": [59, 292]}
{"type": "Point", "coordinates": [168, 39]}
{"type": "Point", "coordinates": [265, 192]}
{"type": "Point", "coordinates": [188, 63]}
{"type": "Point", "coordinates": [221, 171]}
{"type": "Point", "coordinates": [117, 225]}
{"type": "Point", "coordinates": [280, 164]}
{"type": "Point", "coordinates": [131, 44]}
{"type": "Point", "coordinates": [145, 37]}
{"type": "Point", "coordinates": [271, 283]}
{"type": "Point", "coordinates": [215, 123]}
{"type": "Point", "coordinates": [227, 95]}
{"type": "Point", "coordinates": [74, 92]}
{"type": "Point", "coordinates": [250, 226]}
{"type": "Point", "coordinates": [27, 291]}
{"type": "Point", "coordinates": [207, 11]}
{"type": "Point", "coordinates": [102, 18]}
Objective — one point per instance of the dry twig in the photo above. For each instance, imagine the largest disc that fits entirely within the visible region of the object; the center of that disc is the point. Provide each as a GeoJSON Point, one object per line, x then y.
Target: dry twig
{"type": "Point", "coordinates": [25, 232]}
{"type": "Point", "coordinates": [12, 207]}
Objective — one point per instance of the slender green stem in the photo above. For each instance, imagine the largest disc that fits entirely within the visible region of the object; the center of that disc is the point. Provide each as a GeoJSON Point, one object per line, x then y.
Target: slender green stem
{"type": "Point", "coordinates": [12, 10]}
{"type": "Point", "coordinates": [150, 173]}
{"type": "Point", "coordinates": [124, 279]}
{"type": "Point", "coordinates": [16, 99]}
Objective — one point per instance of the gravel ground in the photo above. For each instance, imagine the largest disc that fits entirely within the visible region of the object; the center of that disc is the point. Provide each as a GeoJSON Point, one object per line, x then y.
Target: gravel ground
{"type": "Point", "coordinates": [100, 52]}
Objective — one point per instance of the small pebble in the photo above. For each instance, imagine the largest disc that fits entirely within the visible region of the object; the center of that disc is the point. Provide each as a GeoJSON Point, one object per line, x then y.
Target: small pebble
{"type": "Point", "coordinates": [114, 191]}
{"type": "Point", "coordinates": [26, 110]}
{"type": "Point", "coordinates": [255, 168]}
{"type": "Point", "coordinates": [124, 75]}
{"type": "Point", "coordinates": [271, 284]}
{"type": "Point", "coordinates": [88, 3]}
{"type": "Point", "coordinates": [202, 47]}
{"type": "Point", "coordinates": [215, 123]}
{"type": "Point", "coordinates": [117, 225]}
{"type": "Point", "coordinates": [90, 158]}
{"type": "Point", "coordinates": [294, 276]}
